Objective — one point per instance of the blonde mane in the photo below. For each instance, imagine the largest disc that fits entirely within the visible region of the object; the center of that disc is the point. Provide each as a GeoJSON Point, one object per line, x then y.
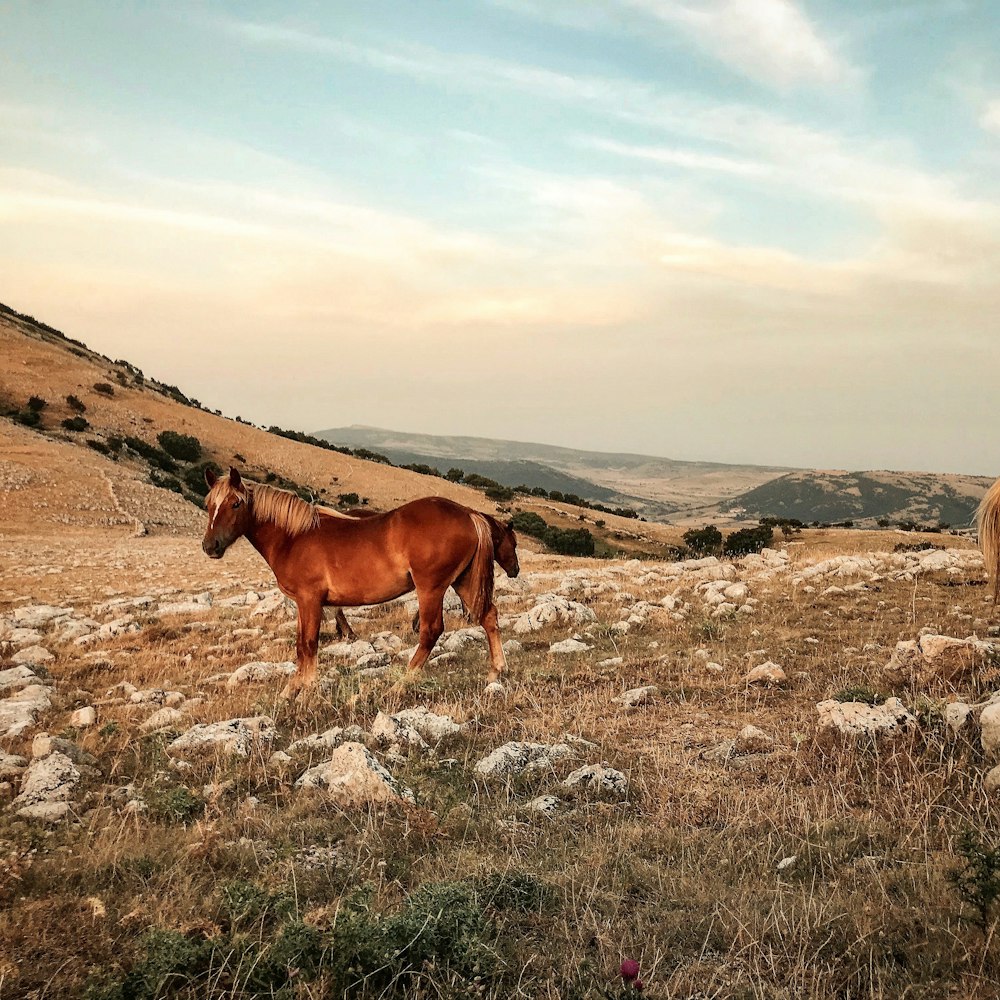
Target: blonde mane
{"type": "Point", "coordinates": [281, 508]}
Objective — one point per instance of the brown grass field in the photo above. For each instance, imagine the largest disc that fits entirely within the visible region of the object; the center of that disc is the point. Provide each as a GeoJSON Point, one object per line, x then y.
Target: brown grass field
{"type": "Point", "coordinates": [224, 880]}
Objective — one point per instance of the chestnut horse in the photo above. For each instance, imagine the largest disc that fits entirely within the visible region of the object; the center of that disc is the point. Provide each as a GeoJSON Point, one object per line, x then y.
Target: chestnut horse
{"type": "Point", "coordinates": [504, 554]}
{"type": "Point", "coordinates": [988, 524]}
{"type": "Point", "coordinates": [426, 545]}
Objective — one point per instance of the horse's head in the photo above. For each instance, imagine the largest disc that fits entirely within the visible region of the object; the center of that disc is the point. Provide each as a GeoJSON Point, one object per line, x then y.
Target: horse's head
{"type": "Point", "coordinates": [505, 549]}
{"type": "Point", "coordinates": [228, 506]}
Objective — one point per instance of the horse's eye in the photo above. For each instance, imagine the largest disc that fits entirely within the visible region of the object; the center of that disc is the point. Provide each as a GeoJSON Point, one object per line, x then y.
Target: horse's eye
{"type": "Point", "coordinates": [236, 503]}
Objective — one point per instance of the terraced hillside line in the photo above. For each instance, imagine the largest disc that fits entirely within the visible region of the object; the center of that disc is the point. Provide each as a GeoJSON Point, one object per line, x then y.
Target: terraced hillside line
{"type": "Point", "coordinates": [140, 527]}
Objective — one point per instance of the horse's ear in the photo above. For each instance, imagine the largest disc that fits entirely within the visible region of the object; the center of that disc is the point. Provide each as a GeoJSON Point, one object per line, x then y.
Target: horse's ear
{"type": "Point", "coordinates": [211, 477]}
{"type": "Point", "coordinates": [234, 479]}
{"type": "Point", "coordinates": [510, 524]}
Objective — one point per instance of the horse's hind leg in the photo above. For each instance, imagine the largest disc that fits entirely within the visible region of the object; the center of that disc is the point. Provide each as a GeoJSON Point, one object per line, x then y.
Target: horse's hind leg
{"type": "Point", "coordinates": [431, 626]}
{"type": "Point", "coordinates": [498, 661]}
{"type": "Point", "coordinates": [306, 646]}
{"type": "Point", "coordinates": [344, 630]}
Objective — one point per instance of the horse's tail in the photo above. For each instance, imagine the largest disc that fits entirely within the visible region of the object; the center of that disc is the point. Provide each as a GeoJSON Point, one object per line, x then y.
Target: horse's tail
{"type": "Point", "coordinates": [988, 524]}
{"type": "Point", "coordinates": [481, 568]}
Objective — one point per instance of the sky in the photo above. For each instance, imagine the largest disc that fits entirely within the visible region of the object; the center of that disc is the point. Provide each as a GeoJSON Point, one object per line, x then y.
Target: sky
{"type": "Point", "coordinates": [752, 231]}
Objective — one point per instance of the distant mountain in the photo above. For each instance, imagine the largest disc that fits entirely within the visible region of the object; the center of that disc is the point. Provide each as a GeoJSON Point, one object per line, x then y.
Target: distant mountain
{"type": "Point", "coordinates": [657, 486]}
{"type": "Point", "coordinates": [927, 498]}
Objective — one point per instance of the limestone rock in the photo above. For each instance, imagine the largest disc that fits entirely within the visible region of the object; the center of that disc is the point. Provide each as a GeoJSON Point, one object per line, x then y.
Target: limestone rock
{"type": "Point", "coordinates": [32, 654]}
{"type": "Point", "coordinates": [233, 737]}
{"type": "Point", "coordinates": [597, 778]}
{"type": "Point", "coordinates": [352, 776]}
{"type": "Point", "coordinates": [638, 696]}
{"type": "Point", "coordinates": [766, 673]}
{"type": "Point", "coordinates": [553, 609]}
{"type": "Point", "coordinates": [47, 780]}
{"type": "Point", "coordinates": [857, 718]}
{"type": "Point", "coordinates": [416, 726]}
{"type": "Point", "coordinates": [257, 671]}
{"type": "Point", "coordinates": [82, 718]}
{"type": "Point", "coordinates": [517, 759]}
{"type": "Point", "coordinates": [569, 646]}
{"type": "Point", "coordinates": [20, 710]}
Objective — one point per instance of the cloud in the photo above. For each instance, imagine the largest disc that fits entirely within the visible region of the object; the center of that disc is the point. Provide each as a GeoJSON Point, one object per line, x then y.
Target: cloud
{"type": "Point", "coordinates": [990, 117]}
{"type": "Point", "coordinates": [771, 41]}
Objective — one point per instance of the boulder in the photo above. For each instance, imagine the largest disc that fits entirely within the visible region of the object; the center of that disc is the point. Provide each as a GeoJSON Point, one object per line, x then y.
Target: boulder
{"type": "Point", "coordinates": [753, 740]}
{"type": "Point", "coordinates": [569, 646]}
{"type": "Point", "coordinates": [47, 780]}
{"type": "Point", "coordinates": [415, 726]}
{"type": "Point", "coordinates": [11, 766]}
{"type": "Point", "coordinates": [251, 673]}
{"type": "Point", "coordinates": [553, 609]}
{"type": "Point", "coordinates": [352, 777]}
{"type": "Point", "coordinates": [599, 779]}
{"type": "Point", "coordinates": [17, 677]}
{"type": "Point", "coordinates": [638, 696]}
{"type": "Point", "coordinates": [32, 654]}
{"type": "Point", "coordinates": [232, 737]}
{"type": "Point", "coordinates": [518, 759]}
{"type": "Point", "coordinates": [766, 673]}
{"type": "Point", "coordinates": [20, 710]}
{"type": "Point", "coordinates": [36, 615]}
{"type": "Point", "coordinates": [82, 718]}
{"type": "Point", "coordinates": [858, 718]}
{"type": "Point", "coordinates": [161, 719]}
{"type": "Point", "coordinates": [989, 722]}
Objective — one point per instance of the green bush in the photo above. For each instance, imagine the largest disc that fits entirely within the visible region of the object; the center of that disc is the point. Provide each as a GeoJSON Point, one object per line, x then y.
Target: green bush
{"type": "Point", "coordinates": [748, 540]}
{"type": "Point", "coordinates": [194, 477]}
{"type": "Point", "coordinates": [185, 447]}
{"type": "Point", "coordinates": [76, 423]}
{"type": "Point", "coordinates": [349, 500]}
{"type": "Point", "coordinates": [37, 404]}
{"type": "Point", "coordinates": [155, 456]}
{"type": "Point", "coordinates": [454, 475]}
{"type": "Point", "coordinates": [104, 389]}
{"type": "Point", "coordinates": [76, 405]}
{"type": "Point", "coordinates": [704, 541]}
{"type": "Point", "coordinates": [98, 446]}
{"type": "Point", "coordinates": [29, 418]}
{"type": "Point", "coordinates": [565, 541]}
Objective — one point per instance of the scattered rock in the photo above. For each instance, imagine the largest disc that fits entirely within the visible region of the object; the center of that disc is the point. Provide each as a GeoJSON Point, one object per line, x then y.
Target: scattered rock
{"type": "Point", "coordinates": [517, 759]}
{"type": "Point", "coordinates": [553, 609]}
{"type": "Point", "coordinates": [415, 726]}
{"type": "Point", "coordinates": [11, 765]}
{"type": "Point", "coordinates": [32, 654]}
{"type": "Point", "coordinates": [20, 710]}
{"type": "Point", "coordinates": [937, 658]}
{"type": "Point", "coordinates": [544, 805]}
{"type": "Point", "coordinates": [251, 673]}
{"type": "Point", "coordinates": [638, 696]}
{"type": "Point", "coordinates": [233, 737]}
{"type": "Point", "coordinates": [83, 717]}
{"type": "Point", "coordinates": [857, 718]}
{"type": "Point", "coordinates": [352, 776]}
{"type": "Point", "coordinates": [599, 779]}
{"type": "Point", "coordinates": [48, 781]}
{"type": "Point", "coordinates": [569, 646]}
{"type": "Point", "coordinates": [161, 719]}
{"type": "Point", "coordinates": [753, 740]}
{"type": "Point", "coordinates": [17, 677]}
{"type": "Point", "coordinates": [766, 673]}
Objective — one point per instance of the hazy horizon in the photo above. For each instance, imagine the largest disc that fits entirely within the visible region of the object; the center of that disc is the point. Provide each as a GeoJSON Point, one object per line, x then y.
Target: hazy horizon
{"type": "Point", "coordinates": [743, 231]}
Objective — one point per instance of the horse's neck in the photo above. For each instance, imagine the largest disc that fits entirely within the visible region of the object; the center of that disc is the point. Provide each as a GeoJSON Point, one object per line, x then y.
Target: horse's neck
{"type": "Point", "coordinates": [269, 540]}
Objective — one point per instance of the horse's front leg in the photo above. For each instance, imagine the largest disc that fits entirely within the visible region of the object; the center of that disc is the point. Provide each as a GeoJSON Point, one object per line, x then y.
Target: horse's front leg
{"type": "Point", "coordinates": [431, 626]}
{"type": "Point", "coordinates": [306, 646]}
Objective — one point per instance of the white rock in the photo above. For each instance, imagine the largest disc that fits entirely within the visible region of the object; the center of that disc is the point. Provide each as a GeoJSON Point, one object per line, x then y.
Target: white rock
{"type": "Point", "coordinates": [766, 673]}
{"type": "Point", "coordinates": [19, 711]}
{"type": "Point", "coordinates": [569, 646]}
{"type": "Point", "coordinates": [233, 737]}
{"type": "Point", "coordinates": [785, 863]}
{"type": "Point", "coordinates": [494, 688]}
{"type": "Point", "coordinates": [48, 779]}
{"type": "Point", "coordinates": [24, 637]}
{"type": "Point", "coordinates": [553, 609]}
{"type": "Point", "coordinates": [544, 805]}
{"type": "Point", "coordinates": [32, 654]}
{"type": "Point", "coordinates": [17, 677]}
{"type": "Point", "coordinates": [348, 650]}
{"type": "Point", "coordinates": [353, 776]}
{"type": "Point", "coordinates": [161, 719]}
{"type": "Point", "coordinates": [251, 673]}
{"type": "Point", "coordinates": [989, 722]}
{"type": "Point", "coordinates": [513, 759]}
{"type": "Point", "coordinates": [856, 718]}
{"type": "Point", "coordinates": [36, 615]}
{"type": "Point", "coordinates": [638, 696]}
{"type": "Point", "coordinates": [327, 740]}
{"type": "Point", "coordinates": [416, 726]}
{"type": "Point", "coordinates": [597, 778]}
{"type": "Point", "coordinates": [956, 715]}
{"type": "Point", "coordinates": [11, 765]}
{"type": "Point", "coordinates": [753, 740]}
{"type": "Point", "coordinates": [83, 717]}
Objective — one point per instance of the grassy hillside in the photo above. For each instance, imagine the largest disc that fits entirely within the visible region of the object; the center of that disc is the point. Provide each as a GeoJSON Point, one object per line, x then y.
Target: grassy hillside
{"type": "Point", "coordinates": [859, 496]}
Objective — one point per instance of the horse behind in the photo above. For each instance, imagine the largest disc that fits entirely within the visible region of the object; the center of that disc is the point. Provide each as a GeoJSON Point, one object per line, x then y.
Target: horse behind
{"type": "Point", "coordinates": [988, 525]}
{"type": "Point", "coordinates": [426, 545]}
{"type": "Point", "coordinates": [504, 554]}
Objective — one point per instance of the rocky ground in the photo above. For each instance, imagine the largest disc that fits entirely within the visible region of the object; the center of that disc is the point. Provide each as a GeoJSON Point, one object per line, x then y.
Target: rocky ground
{"type": "Point", "coordinates": [755, 777]}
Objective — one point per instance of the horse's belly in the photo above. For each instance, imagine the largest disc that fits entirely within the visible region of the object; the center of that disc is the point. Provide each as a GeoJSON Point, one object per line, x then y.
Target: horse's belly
{"type": "Point", "coordinates": [353, 593]}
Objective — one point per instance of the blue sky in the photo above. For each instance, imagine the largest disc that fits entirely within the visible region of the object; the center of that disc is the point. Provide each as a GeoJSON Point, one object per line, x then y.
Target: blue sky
{"type": "Point", "coordinates": [743, 230]}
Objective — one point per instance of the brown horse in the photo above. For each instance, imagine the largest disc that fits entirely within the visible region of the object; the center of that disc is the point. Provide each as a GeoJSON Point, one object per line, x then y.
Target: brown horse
{"type": "Point", "coordinates": [426, 545]}
{"type": "Point", "coordinates": [504, 554]}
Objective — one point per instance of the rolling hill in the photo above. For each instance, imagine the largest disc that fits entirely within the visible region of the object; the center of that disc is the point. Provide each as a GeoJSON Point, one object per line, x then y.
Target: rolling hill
{"type": "Point", "coordinates": [926, 498]}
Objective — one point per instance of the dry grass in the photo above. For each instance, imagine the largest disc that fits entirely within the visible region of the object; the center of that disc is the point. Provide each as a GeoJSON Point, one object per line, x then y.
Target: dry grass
{"type": "Point", "coordinates": [682, 875]}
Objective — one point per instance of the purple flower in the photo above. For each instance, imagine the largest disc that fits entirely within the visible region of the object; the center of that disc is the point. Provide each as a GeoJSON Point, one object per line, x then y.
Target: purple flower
{"type": "Point", "coordinates": [629, 969]}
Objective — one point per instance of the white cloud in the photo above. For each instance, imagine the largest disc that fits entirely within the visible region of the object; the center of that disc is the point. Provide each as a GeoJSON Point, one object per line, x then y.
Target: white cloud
{"type": "Point", "coordinates": [990, 118]}
{"type": "Point", "coordinates": [768, 40]}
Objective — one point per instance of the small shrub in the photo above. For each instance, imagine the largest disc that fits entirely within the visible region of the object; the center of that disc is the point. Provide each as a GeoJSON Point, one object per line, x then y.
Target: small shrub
{"type": "Point", "coordinates": [152, 454]}
{"type": "Point", "coordinates": [454, 475]}
{"type": "Point", "coordinates": [98, 446]}
{"type": "Point", "coordinates": [349, 499]}
{"type": "Point", "coordinates": [104, 389]}
{"type": "Point", "coordinates": [37, 404]}
{"type": "Point", "coordinates": [76, 423]}
{"type": "Point", "coordinates": [748, 540]}
{"type": "Point", "coordinates": [194, 477]}
{"type": "Point", "coordinates": [185, 447]}
{"type": "Point", "coordinates": [76, 405]}
{"type": "Point", "coordinates": [704, 541]}
{"type": "Point", "coordinates": [174, 804]}
{"type": "Point", "coordinates": [978, 881]}
{"type": "Point", "coordinates": [164, 481]}
{"type": "Point", "coordinates": [28, 418]}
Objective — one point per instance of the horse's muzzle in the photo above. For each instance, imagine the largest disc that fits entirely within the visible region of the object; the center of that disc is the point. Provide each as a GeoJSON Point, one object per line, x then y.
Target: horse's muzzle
{"type": "Point", "coordinates": [213, 549]}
